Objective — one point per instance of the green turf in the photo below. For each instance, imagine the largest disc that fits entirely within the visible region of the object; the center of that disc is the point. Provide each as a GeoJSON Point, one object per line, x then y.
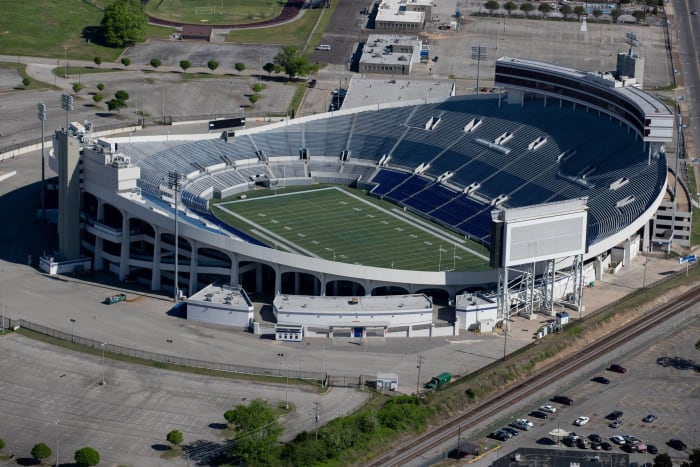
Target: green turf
{"type": "Point", "coordinates": [215, 11]}
{"type": "Point", "coordinates": [352, 227]}
{"type": "Point", "coordinates": [42, 28]}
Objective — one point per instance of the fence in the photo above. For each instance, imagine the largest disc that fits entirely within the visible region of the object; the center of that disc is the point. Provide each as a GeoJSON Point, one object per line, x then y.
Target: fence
{"type": "Point", "coordinates": [316, 376]}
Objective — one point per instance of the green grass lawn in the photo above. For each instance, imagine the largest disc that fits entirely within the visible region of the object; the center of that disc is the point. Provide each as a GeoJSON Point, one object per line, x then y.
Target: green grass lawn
{"type": "Point", "coordinates": [43, 28]}
{"type": "Point", "coordinates": [215, 11]}
{"type": "Point", "coordinates": [352, 227]}
{"type": "Point", "coordinates": [294, 33]}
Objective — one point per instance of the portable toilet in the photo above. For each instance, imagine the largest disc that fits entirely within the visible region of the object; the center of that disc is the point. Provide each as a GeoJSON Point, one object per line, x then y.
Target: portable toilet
{"type": "Point", "coordinates": [562, 318]}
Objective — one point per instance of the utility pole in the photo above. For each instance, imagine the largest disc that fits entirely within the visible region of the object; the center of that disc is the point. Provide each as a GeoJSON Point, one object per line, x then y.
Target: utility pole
{"type": "Point", "coordinates": [316, 418]}
{"type": "Point", "coordinates": [420, 363]}
{"type": "Point", "coordinates": [174, 184]}
{"type": "Point", "coordinates": [42, 117]}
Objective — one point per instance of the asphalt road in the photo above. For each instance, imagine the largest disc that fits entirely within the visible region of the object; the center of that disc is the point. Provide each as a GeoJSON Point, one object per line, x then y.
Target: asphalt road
{"type": "Point", "coordinates": [687, 27]}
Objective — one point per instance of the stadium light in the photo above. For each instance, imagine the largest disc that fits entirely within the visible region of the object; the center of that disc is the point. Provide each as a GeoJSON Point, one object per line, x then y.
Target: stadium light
{"type": "Point", "coordinates": [174, 184]}
{"type": "Point", "coordinates": [67, 105]}
{"type": "Point", "coordinates": [42, 118]}
{"type": "Point", "coordinates": [479, 53]}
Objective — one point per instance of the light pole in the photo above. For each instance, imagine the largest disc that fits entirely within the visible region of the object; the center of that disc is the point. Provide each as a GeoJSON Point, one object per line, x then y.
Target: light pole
{"type": "Point", "coordinates": [57, 422]}
{"type": "Point", "coordinates": [174, 184]}
{"type": "Point", "coordinates": [286, 391]}
{"type": "Point", "coordinates": [65, 62]}
{"type": "Point", "coordinates": [42, 117]}
{"type": "Point", "coordinates": [0, 119]}
{"type": "Point", "coordinates": [479, 53]}
{"type": "Point", "coordinates": [316, 418]}
{"type": "Point", "coordinates": [104, 344]}
{"type": "Point", "coordinates": [72, 330]}
{"type": "Point", "coordinates": [420, 363]}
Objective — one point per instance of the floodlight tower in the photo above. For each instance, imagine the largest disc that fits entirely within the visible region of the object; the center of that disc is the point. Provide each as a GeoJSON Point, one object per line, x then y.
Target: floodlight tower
{"type": "Point", "coordinates": [67, 105]}
{"type": "Point", "coordinates": [42, 118]}
{"type": "Point", "coordinates": [175, 184]}
{"type": "Point", "coordinates": [479, 53]}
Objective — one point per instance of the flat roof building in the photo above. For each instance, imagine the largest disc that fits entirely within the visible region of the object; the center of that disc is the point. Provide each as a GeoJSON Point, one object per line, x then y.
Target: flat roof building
{"type": "Point", "coordinates": [400, 16]}
{"type": "Point", "coordinates": [221, 304]}
{"type": "Point", "coordinates": [389, 54]}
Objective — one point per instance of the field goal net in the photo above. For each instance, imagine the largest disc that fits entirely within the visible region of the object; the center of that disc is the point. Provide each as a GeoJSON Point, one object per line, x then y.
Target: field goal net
{"type": "Point", "coordinates": [204, 10]}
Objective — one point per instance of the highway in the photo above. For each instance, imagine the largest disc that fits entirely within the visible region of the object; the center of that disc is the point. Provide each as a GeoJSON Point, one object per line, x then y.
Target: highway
{"type": "Point", "coordinates": [687, 30]}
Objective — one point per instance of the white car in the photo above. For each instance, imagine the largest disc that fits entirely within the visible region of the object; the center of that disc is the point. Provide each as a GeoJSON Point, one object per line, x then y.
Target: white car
{"type": "Point", "coordinates": [548, 409]}
{"type": "Point", "coordinates": [581, 421]}
{"type": "Point", "coordinates": [617, 439]}
{"type": "Point", "coordinates": [525, 421]}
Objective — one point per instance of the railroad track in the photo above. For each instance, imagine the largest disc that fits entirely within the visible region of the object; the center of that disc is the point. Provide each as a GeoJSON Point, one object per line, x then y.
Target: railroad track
{"type": "Point", "coordinates": [438, 435]}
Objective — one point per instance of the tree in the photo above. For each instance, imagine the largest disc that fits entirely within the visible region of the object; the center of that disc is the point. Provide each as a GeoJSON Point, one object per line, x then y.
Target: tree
{"type": "Point", "coordinates": [639, 15]}
{"type": "Point", "coordinates": [185, 64]}
{"type": "Point", "coordinates": [527, 8]}
{"type": "Point", "coordinates": [97, 60]}
{"type": "Point", "coordinates": [697, 345]}
{"type": "Point", "coordinates": [694, 458]}
{"type": "Point", "coordinates": [77, 87]}
{"type": "Point", "coordinates": [212, 65]}
{"type": "Point", "coordinates": [97, 98]}
{"type": "Point", "coordinates": [174, 437]}
{"type": "Point", "coordinates": [566, 10]}
{"type": "Point", "coordinates": [663, 460]}
{"type": "Point", "coordinates": [257, 430]}
{"type": "Point", "coordinates": [123, 23]}
{"type": "Point", "coordinates": [41, 451]}
{"type": "Point", "coordinates": [26, 82]}
{"type": "Point", "coordinates": [491, 5]}
{"type": "Point", "coordinates": [2, 443]}
{"type": "Point", "coordinates": [270, 67]}
{"type": "Point", "coordinates": [545, 9]}
{"type": "Point", "coordinates": [579, 11]}
{"type": "Point", "coordinates": [126, 61]}
{"type": "Point", "coordinates": [510, 7]}
{"type": "Point", "coordinates": [293, 64]}
{"type": "Point", "coordinates": [614, 13]}
{"type": "Point", "coordinates": [86, 457]}
{"type": "Point", "coordinates": [253, 98]}
{"type": "Point", "coordinates": [122, 95]}
{"type": "Point", "coordinates": [115, 104]}
{"type": "Point", "coordinates": [100, 86]}
{"type": "Point", "coordinates": [259, 87]}
{"type": "Point", "coordinates": [239, 67]}
{"type": "Point", "coordinates": [155, 62]}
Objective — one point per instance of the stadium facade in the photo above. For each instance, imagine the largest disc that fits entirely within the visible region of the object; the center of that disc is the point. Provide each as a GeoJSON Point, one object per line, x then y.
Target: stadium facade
{"type": "Point", "coordinates": [552, 134]}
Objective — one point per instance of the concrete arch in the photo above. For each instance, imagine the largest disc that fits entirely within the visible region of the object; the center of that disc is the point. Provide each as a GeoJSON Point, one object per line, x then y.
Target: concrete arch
{"type": "Point", "coordinates": [344, 288]}
{"type": "Point", "coordinates": [259, 278]}
{"type": "Point", "coordinates": [439, 296]}
{"type": "Point", "coordinates": [91, 205]}
{"type": "Point", "coordinates": [389, 290]}
{"type": "Point", "coordinates": [299, 283]}
{"type": "Point", "coordinates": [111, 216]}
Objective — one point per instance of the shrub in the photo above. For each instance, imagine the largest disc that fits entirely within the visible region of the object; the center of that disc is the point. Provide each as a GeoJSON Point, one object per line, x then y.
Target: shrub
{"type": "Point", "coordinates": [86, 457]}
{"type": "Point", "coordinates": [239, 67]}
{"type": "Point", "coordinates": [185, 64]}
{"type": "Point", "coordinates": [155, 62]}
{"type": "Point", "coordinates": [77, 87]}
{"type": "Point", "coordinates": [41, 451]}
{"type": "Point", "coordinates": [212, 65]}
{"type": "Point", "coordinates": [126, 61]}
{"type": "Point", "coordinates": [97, 98]}
{"type": "Point", "coordinates": [122, 95]}
{"type": "Point", "coordinates": [253, 98]}
{"type": "Point", "coordinates": [174, 437]}
{"type": "Point", "coordinates": [26, 82]}
{"type": "Point", "coordinates": [258, 87]}
{"type": "Point", "coordinates": [100, 86]}
{"type": "Point", "coordinates": [97, 60]}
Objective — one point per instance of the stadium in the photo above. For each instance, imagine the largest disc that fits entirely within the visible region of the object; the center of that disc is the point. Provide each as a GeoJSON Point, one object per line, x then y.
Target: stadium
{"type": "Point", "coordinates": [389, 202]}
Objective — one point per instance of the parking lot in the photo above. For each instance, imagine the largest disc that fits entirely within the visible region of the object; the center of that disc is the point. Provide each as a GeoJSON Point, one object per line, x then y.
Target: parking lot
{"type": "Point", "coordinates": [661, 380]}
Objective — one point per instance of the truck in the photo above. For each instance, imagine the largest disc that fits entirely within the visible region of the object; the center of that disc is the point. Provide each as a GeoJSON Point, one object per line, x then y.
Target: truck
{"type": "Point", "coordinates": [436, 382]}
{"type": "Point", "coordinates": [115, 299]}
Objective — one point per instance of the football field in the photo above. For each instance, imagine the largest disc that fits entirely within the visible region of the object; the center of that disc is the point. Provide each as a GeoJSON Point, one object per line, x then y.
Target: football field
{"type": "Point", "coordinates": [348, 226]}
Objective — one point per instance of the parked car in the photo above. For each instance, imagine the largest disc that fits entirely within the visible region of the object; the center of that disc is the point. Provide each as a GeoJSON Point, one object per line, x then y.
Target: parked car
{"type": "Point", "coordinates": [629, 439]}
{"type": "Point", "coordinates": [677, 444]}
{"type": "Point", "coordinates": [582, 443]}
{"type": "Point", "coordinates": [651, 449]}
{"type": "Point", "coordinates": [649, 418]}
{"type": "Point", "coordinates": [601, 380]}
{"type": "Point", "coordinates": [548, 409]}
{"type": "Point", "coordinates": [596, 446]}
{"type": "Point", "coordinates": [606, 446]}
{"type": "Point", "coordinates": [614, 415]}
{"type": "Point", "coordinates": [581, 421]}
{"type": "Point", "coordinates": [616, 424]}
{"type": "Point", "coordinates": [312, 83]}
{"type": "Point", "coordinates": [563, 400]}
{"type": "Point", "coordinates": [569, 441]}
{"type": "Point", "coordinates": [595, 438]}
{"type": "Point", "coordinates": [521, 424]}
{"type": "Point", "coordinates": [500, 435]}
{"type": "Point", "coordinates": [694, 12]}
{"type": "Point", "coordinates": [617, 368]}
{"type": "Point", "coordinates": [539, 414]}
{"type": "Point", "coordinates": [641, 447]}
{"type": "Point", "coordinates": [510, 431]}
{"type": "Point", "coordinates": [617, 439]}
